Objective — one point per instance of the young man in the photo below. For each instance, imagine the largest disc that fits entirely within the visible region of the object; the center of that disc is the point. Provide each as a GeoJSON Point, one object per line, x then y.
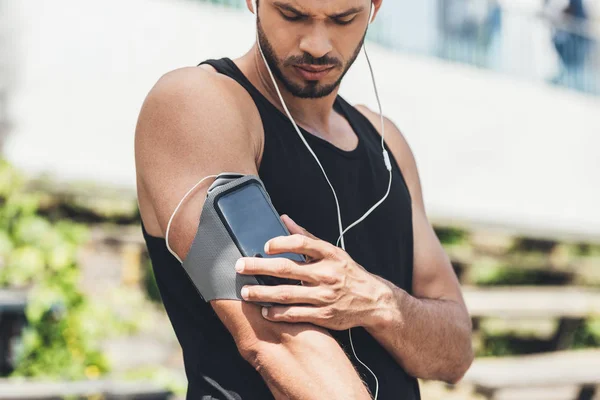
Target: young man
{"type": "Point", "coordinates": [394, 286]}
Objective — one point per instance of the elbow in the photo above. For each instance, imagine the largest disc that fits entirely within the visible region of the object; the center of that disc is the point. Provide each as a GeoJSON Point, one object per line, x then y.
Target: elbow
{"type": "Point", "coordinates": [467, 355]}
{"type": "Point", "coordinates": [465, 360]}
{"type": "Point", "coordinates": [462, 357]}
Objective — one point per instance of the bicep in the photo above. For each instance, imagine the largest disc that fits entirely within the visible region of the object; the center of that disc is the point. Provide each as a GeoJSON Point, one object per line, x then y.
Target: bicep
{"type": "Point", "coordinates": [182, 136]}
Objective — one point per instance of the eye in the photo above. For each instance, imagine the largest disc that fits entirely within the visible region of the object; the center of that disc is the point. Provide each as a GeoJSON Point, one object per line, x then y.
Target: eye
{"type": "Point", "coordinates": [342, 22]}
{"type": "Point", "coordinates": [294, 18]}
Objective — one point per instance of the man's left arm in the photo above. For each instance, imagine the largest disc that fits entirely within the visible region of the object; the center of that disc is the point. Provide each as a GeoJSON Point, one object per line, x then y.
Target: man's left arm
{"type": "Point", "coordinates": [428, 332]}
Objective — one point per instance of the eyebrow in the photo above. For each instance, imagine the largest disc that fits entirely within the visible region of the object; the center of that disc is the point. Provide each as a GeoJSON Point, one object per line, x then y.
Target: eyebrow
{"type": "Point", "coordinates": [346, 13]}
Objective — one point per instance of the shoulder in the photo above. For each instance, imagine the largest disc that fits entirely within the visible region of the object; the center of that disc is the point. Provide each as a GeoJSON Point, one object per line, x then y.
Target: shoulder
{"type": "Point", "coordinates": [393, 137]}
{"type": "Point", "coordinates": [192, 102]}
{"type": "Point", "coordinates": [199, 89]}
{"type": "Point", "coordinates": [192, 123]}
{"type": "Point", "coordinates": [398, 146]}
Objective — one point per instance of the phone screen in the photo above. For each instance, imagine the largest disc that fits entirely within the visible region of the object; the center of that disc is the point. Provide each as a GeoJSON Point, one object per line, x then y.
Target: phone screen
{"type": "Point", "coordinates": [252, 221]}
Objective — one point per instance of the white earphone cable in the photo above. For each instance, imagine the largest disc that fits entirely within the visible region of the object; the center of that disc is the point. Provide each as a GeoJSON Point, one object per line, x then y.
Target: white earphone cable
{"type": "Point", "coordinates": [385, 157]}
{"type": "Point", "coordinates": [342, 231]}
{"type": "Point", "coordinates": [177, 208]}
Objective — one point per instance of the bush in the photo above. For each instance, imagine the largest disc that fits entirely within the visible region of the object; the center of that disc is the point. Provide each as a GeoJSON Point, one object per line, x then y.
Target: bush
{"type": "Point", "coordinates": [63, 326]}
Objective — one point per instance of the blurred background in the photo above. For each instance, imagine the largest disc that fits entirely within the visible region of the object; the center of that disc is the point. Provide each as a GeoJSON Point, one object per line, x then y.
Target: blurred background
{"type": "Point", "coordinates": [499, 100]}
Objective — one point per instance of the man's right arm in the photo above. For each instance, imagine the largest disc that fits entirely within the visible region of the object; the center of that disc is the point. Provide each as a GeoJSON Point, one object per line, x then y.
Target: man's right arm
{"type": "Point", "coordinates": [192, 124]}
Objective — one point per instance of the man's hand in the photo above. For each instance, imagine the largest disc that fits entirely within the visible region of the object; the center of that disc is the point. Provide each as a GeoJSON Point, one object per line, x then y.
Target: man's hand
{"type": "Point", "coordinates": [336, 293]}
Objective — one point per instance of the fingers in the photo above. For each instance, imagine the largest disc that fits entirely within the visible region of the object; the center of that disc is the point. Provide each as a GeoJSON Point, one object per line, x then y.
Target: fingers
{"type": "Point", "coordinates": [282, 294]}
{"type": "Point", "coordinates": [296, 314]}
{"type": "Point", "coordinates": [279, 267]}
{"type": "Point", "coordinates": [300, 244]}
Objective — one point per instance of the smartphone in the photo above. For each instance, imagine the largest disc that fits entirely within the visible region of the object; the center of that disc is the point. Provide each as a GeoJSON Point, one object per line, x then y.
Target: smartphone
{"type": "Point", "coordinates": [251, 220]}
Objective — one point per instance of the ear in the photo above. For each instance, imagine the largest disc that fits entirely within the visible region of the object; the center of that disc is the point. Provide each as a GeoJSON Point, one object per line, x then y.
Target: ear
{"type": "Point", "coordinates": [375, 6]}
{"type": "Point", "coordinates": [251, 4]}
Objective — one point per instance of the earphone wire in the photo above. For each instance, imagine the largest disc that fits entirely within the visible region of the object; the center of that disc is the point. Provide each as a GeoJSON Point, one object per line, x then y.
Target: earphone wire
{"type": "Point", "coordinates": [385, 152]}
{"type": "Point", "coordinates": [342, 231]}
{"type": "Point", "coordinates": [174, 212]}
{"type": "Point", "coordinates": [385, 157]}
{"type": "Point", "coordinates": [296, 126]}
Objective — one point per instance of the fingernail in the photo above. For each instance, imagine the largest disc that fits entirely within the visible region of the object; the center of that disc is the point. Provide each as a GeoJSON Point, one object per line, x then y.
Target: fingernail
{"type": "Point", "coordinates": [244, 292]}
{"type": "Point", "coordinates": [239, 265]}
{"type": "Point", "coordinates": [267, 247]}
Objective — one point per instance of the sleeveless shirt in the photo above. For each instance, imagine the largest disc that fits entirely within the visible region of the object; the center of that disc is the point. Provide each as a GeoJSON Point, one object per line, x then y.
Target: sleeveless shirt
{"type": "Point", "coordinates": [382, 244]}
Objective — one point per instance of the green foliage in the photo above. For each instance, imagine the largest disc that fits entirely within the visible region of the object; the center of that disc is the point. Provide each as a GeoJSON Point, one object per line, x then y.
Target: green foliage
{"type": "Point", "coordinates": [586, 249]}
{"type": "Point", "coordinates": [588, 335]}
{"type": "Point", "coordinates": [508, 344]}
{"type": "Point", "coordinates": [500, 275]}
{"type": "Point", "coordinates": [503, 344]}
{"type": "Point", "coordinates": [495, 346]}
{"type": "Point", "coordinates": [63, 326]}
{"type": "Point", "coordinates": [491, 271]}
{"type": "Point", "coordinates": [450, 236]}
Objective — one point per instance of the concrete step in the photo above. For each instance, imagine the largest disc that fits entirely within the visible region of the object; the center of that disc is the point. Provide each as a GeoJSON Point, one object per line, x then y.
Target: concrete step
{"type": "Point", "coordinates": [115, 390]}
{"type": "Point", "coordinates": [557, 370]}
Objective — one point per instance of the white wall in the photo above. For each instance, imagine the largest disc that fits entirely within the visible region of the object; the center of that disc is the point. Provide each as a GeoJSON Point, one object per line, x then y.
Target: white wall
{"type": "Point", "coordinates": [489, 147]}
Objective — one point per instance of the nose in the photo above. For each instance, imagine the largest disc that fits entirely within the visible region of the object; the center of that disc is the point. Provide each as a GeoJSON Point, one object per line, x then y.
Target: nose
{"type": "Point", "coordinates": [316, 42]}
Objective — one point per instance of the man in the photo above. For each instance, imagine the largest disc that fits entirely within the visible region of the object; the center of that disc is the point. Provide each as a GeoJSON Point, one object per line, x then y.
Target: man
{"type": "Point", "coordinates": [571, 46]}
{"type": "Point", "coordinates": [394, 287]}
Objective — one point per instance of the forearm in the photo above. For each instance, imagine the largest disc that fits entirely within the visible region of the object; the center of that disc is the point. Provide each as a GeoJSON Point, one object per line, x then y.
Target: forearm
{"type": "Point", "coordinates": [431, 339]}
{"type": "Point", "coordinates": [307, 366]}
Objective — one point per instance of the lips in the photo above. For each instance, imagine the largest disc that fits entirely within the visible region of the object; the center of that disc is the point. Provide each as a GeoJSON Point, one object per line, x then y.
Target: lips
{"type": "Point", "coordinates": [312, 73]}
{"type": "Point", "coordinates": [310, 68]}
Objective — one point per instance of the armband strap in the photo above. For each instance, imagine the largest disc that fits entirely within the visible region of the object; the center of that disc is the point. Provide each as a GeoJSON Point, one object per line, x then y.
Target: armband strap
{"type": "Point", "coordinates": [210, 262]}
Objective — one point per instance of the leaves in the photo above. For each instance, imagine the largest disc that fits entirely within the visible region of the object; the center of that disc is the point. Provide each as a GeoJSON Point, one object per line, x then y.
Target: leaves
{"type": "Point", "coordinates": [23, 264]}
{"type": "Point", "coordinates": [61, 339]}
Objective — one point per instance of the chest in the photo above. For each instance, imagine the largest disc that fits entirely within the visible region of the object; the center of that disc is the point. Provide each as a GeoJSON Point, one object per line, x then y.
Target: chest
{"type": "Point", "coordinates": [381, 243]}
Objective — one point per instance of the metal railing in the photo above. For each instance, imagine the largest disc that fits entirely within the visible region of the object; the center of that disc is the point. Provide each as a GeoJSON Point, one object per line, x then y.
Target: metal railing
{"type": "Point", "coordinates": [531, 45]}
{"type": "Point", "coordinates": [228, 3]}
{"type": "Point", "coordinates": [562, 51]}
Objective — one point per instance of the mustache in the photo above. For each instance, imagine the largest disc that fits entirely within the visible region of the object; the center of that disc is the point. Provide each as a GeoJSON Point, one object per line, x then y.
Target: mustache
{"type": "Point", "coordinates": [309, 60]}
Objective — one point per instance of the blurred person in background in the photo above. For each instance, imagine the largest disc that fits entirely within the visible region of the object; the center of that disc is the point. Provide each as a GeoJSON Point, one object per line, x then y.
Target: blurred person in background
{"type": "Point", "coordinates": [471, 31]}
{"type": "Point", "coordinates": [395, 286]}
{"type": "Point", "coordinates": [570, 18]}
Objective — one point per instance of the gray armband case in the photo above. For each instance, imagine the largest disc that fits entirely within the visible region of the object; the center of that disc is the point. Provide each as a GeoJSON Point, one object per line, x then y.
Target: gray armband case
{"type": "Point", "coordinates": [215, 249]}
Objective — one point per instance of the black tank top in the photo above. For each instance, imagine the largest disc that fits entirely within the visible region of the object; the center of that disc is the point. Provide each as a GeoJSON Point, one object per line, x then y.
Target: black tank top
{"type": "Point", "coordinates": [382, 243]}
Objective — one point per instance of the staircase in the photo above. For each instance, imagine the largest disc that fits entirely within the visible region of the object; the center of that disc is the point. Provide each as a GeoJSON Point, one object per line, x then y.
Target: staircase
{"type": "Point", "coordinates": [532, 300]}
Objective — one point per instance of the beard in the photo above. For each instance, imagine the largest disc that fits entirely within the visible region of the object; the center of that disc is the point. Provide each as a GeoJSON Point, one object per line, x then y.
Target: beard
{"type": "Point", "coordinates": [311, 89]}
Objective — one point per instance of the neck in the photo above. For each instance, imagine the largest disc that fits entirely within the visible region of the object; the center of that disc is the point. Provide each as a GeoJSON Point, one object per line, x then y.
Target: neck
{"type": "Point", "coordinates": [312, 114]}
